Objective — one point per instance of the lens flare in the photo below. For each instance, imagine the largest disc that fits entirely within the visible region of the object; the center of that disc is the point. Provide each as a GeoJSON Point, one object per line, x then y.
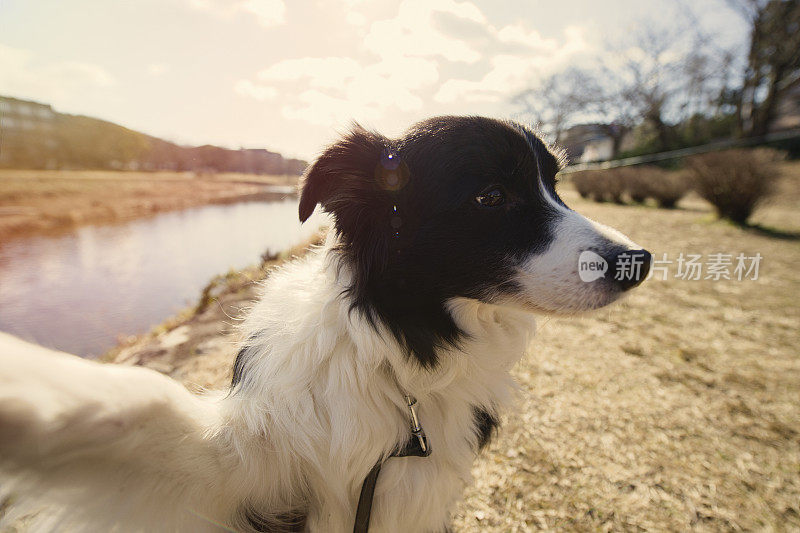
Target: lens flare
{"type": "Point", "coordinates": [391, 173]}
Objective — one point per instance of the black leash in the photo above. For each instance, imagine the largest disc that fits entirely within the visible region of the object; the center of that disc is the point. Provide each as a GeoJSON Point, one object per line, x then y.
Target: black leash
{"type": "Point", "coordinates": [417, 446]}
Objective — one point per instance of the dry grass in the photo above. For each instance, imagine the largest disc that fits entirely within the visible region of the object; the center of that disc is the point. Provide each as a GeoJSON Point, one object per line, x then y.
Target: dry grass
{"type": "Point", "coordinates": [33, 201]}
{"type": "Point", "coordinates": [677, 409]}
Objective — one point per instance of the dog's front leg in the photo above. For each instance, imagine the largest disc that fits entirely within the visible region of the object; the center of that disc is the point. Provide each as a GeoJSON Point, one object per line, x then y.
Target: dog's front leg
{"type": "Point", "coordinates": [122, 445]}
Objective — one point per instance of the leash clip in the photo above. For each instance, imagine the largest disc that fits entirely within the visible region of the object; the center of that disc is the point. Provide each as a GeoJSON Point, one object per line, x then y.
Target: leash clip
{"type": "Point", "coordinates": [417, 446]}
{"type": "Point", "coordinates": [416, 428]}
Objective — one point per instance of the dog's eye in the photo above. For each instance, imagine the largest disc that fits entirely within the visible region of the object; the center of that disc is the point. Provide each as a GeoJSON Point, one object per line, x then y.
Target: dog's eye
{"type": "Point", "coordinates": [491, 197]}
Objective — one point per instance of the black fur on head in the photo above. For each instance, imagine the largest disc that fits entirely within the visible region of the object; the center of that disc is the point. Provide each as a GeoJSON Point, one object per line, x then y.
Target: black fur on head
{"type": "Point", "coordinates": [410, 227]}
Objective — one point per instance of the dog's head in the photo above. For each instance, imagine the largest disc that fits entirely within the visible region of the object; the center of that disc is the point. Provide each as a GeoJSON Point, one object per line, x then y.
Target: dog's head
{"type": "Point", "coordinates": [461, 207]}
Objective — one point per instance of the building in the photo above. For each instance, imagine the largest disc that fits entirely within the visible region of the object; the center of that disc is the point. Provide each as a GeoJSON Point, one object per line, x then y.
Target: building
{"type": "Point", "coordinates": [27, 130]}
{"type": "Point", "coordinates": [598, 149]}
{"type": "Point", "coordinates": [24, 115]}
{"type": "Point", "coordinates": [586, 143]}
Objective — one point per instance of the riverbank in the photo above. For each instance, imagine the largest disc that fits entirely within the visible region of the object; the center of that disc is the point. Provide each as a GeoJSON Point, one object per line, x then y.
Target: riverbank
{"type": "Point", "coordinates": [50, 201]}
{"type": "Point", "coordinates": [675, 409]}
{"type": "Point", "coordinates": [198, 345]}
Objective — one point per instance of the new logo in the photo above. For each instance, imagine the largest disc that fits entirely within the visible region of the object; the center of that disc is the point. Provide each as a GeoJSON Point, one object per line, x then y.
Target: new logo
{"type": "Point", "coordinates": [591, 266]}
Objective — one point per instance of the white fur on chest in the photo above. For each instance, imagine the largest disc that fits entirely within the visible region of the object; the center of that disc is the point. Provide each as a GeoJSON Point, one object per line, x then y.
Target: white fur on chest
{"type": "Point", "coordinates": [322, 394]}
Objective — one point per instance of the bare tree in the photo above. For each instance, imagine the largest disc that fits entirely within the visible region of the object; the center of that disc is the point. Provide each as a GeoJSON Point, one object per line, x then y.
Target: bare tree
{"type": "Point", "coordinates": [655, 77]}
{"type": "Point", "coordinates": [559, 100]}
{"type": "Point", "coordinates": [773, 60]}
{"type": "Point", "coordinates": [651, 76]}
{"type": "Point", "coordinates": [661, 77]}
{"type": "Point", "coordinates": [614, 111]}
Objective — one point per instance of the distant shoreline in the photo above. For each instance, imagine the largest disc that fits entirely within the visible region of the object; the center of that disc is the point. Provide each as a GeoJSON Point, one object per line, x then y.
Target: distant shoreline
{"type": "Point", "coordinates": [50, 202]}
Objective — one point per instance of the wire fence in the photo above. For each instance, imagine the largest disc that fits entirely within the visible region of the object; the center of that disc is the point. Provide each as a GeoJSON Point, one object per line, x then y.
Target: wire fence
{"type": "Point", "coordinates": [683, 152]}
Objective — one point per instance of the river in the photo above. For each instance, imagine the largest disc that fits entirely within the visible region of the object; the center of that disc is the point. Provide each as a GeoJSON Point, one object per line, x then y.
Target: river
{"type": "Point", "coordinates": [80, 291]}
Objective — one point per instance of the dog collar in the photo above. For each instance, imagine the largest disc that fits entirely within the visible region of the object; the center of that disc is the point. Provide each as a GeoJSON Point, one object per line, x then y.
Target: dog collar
{"type": "Point", "coordinates": [417, 446]}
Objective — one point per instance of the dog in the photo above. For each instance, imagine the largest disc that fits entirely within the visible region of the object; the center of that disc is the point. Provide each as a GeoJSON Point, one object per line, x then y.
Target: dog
{"type": "Point", "coordinates": [445, 245]}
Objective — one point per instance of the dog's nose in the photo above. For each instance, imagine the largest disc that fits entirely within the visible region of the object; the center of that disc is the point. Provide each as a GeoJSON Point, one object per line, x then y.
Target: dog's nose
{"type": "Point", "coordinates": [630, 267]}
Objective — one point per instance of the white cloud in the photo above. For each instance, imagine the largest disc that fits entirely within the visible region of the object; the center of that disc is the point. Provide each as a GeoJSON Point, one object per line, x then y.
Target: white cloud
{"type": "Point", "coordinates": [413, 32]}
{"type": "Point", "coordinates": [398, 70]}
{"type": "Point", "coordinates": [269, 13]}
{"type": "Point", "coordinates": [78, 73]}
{"type": "Point", "coordinates": [356, 19]}
{"type": "Point", "coordinates": [21, 74]}
{"type": "Point", "coordinates": [252, 90]}
{"type": "Point", "coordinates": [408, 47]}
{"type": "Point", "coordinates": [351, 90]}
{"type": "Point", "coordinates": [323, 72]}
{"type": "Point", "coordinates": [316, 107]}
{"type": "Point", "coordinates": [509, 73]}
{"type": "Point", "coordinates": [157, 69]}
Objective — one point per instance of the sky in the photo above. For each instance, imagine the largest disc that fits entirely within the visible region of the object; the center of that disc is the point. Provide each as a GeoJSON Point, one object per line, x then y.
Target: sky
{"type": "Point", "coordinates": [289, 75]}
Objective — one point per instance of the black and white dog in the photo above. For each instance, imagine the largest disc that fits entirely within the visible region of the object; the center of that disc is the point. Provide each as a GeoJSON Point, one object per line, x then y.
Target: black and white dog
{"type": "Point", "coordinates": [446, 243]}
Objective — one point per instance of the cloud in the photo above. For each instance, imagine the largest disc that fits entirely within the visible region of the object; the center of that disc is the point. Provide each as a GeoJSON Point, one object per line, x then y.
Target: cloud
{"type": "Point", "coordinates": [518, 34]}
{"type": "Point", "coordinates": [269, 13]}
{"type": "Point", "coordinates": [76, 73]}
{"type": "Point", "coordinates": [316, 107]}
{"type": "Point", "coordinates": [157, 69]}
{"type": "Point", "coordinates": [511, 73]}
{"type": "Point", "coordinates": [340, 88]}
{"type": "Point", "coordinates": [252, 90]}
{"type": "Point", "coordinates": [397, 71]}
{"type": "Point", "coordinates": [22, 74]}
{"type": "Point", "coordinates": [322, 72]}
{"type": "Point", "coordinates": [356, 19]}
{"type": "Point", "coordinates": [414, 32]}
{"type": "Point", "coordinates": [404, 50]}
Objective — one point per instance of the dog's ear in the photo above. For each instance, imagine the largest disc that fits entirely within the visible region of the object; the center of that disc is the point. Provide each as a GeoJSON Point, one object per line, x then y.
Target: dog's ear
{"type": "Point", "coordinates": [343, 173]}
{"type": "Point", "coordinates": [551, 160]}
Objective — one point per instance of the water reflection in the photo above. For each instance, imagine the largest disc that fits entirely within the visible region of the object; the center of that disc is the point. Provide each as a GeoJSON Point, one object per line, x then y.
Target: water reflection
{"type": "Point", "coordinates": [78, 292]}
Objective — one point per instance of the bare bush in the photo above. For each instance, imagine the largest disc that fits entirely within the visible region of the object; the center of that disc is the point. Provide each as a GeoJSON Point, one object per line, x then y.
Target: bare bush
{"type": "Point", "coordinates": [735, 182]}
{"type": "Point", "coordinates": [665, 187]}
{"type": "Point", "coordinates": [637, 184]}
{"type": "Point", "coordinates": [583, 183]}
{"type": "Point", "coordinates": [597, 189]}
{"type": "Point", "coordinates": [613, 181]}
{"type": "Point", "coordinates": [600, 185]}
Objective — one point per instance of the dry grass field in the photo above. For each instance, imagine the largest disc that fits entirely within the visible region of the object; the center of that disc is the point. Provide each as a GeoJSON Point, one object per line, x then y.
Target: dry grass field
{"type": "Point", "coordinates": [677, 409]}
{"type": "Point", "coordinates": [36, 201]}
